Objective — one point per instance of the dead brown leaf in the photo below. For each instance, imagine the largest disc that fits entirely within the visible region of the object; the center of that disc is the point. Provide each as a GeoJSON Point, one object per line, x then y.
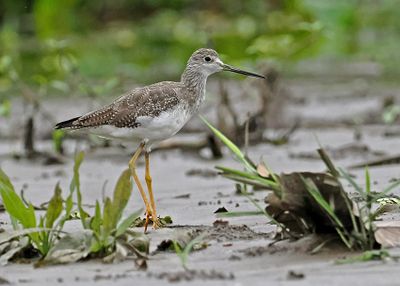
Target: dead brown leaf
{"type": "Point", "coordinates": [387, 233]}
{"type": "Point", "coordinates": [299, 211]}
{"type": "Point", "coordinates": [262, 170]}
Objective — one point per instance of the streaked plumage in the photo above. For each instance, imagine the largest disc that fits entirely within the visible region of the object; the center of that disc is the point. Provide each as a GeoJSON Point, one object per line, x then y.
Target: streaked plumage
{"type": "Point", "coordinates": [153, 113]}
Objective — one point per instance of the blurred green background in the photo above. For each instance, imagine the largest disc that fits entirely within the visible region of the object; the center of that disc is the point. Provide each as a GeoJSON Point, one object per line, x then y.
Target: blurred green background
{"type": "Point", "coordinates": [71, 47]}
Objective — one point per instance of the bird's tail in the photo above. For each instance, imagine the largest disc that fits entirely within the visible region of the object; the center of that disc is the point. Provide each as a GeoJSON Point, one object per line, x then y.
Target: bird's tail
{"type": "Point", "coordinates": [66, 124]}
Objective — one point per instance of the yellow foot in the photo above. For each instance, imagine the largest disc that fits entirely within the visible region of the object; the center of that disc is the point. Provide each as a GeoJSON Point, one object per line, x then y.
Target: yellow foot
{"type": "Point", "coordinates": [156, 223]}
{"type": "Point", "coordinates": [150, 219]}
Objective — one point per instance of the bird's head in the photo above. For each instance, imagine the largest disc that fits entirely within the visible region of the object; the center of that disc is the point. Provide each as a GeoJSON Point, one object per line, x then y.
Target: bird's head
{"type": "Point", "coordinates": [208, 62]}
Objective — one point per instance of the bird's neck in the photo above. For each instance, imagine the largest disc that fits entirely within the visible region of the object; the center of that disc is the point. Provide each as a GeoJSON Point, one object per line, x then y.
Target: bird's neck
{"type": "Point", "coordinates": [195, 82]}
{"type": "Point", "coordinates": [193, 78]}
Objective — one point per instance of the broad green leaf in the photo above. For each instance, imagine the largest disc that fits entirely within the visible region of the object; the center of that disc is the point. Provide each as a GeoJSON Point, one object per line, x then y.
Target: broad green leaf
{"type": "Point", "coordinates": [232, 146]}
{"type": "Point", "coordinates": [55, 207]}
{"type": "Point", "coordinates": [127, 222]}
{"type": "Point", "coordinates": [14, 204]}
{"type": "Point", "coordinates": [122, 193]}
{"type": "Point", "coordinates": [96, 221]}
{"type": "Point", "coordinates": [108, 213]}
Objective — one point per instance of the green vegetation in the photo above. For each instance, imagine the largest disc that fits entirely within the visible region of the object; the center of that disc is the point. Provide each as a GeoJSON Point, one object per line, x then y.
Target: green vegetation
{"type": "Point", "coordinates": [105, 234]}
{"type": "Point", "coordinates": [184, 251]}
{"type": "Point", "coordinates": [314, 202]}
{"type": "Point", "coordinates": [51, 47]}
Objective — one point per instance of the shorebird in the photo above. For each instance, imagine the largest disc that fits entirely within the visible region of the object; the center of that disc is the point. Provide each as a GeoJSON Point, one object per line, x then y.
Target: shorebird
{"type": "Point", "coordinates": [151, 114]}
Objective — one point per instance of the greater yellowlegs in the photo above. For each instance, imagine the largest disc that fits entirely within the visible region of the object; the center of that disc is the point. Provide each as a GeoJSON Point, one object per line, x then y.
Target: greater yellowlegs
{"type": "Point", "coordinates": [153, 113]}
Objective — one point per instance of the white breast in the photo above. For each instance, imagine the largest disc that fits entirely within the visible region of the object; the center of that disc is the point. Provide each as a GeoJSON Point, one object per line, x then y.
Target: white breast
{"type": "Point", "coordinates": [151, 129]}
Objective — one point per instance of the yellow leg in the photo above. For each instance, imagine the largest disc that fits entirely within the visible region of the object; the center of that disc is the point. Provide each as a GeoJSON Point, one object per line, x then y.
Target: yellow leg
{"type": "Point", "coordinates": [132, 167]}
{"type": "Point", "coordinates": [156, 223]}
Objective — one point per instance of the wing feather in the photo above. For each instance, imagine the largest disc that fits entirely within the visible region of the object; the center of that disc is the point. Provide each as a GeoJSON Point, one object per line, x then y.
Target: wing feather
{"type": "Point", "coordinates": [147, 101]}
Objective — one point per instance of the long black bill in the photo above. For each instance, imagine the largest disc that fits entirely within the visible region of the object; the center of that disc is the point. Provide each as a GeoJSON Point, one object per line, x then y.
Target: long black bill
{"type": "Point", "coordinates": [236, 70]}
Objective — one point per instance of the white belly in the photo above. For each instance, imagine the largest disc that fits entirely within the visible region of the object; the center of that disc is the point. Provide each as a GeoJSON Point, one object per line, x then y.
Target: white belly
{"type": "Point", "coordinates": [151, 129]}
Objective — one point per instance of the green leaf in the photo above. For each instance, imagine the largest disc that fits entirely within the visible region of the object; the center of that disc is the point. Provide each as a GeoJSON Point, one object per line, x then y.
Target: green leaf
{"type": "Point", "coordinates": [353, 183]}
{"type": "Point", "coordinates": [315, 193]}
{"type": "Point", "coordinates": [232, 146]}
{"type": "Point", "coordinates": [253, 179]}
{"type": "Point", "coordinates": [96, 221]}
{"type": "Point", "coordinates": [183, 254]}
{"type": "Point", "coordinates": [240, 214]}
{"type": "Point", "coordinates": [369, 255]}
{"type": "Point", "coordinates": [108, 223]}
{"type": "Point", "coordinates": [122, 193]}
{"type": "Point", "coordinates": [387, 189]}
{"type": "Point", "coordinates": [14, 204]}
{"type": "Point", "coordinates": [127, 222]}
{"type": "Point", "coordinates": [5, 108]}
{"type": "Point", "coordinates": [75, 185]}
{"type": "Point", "coordinates": [55, 207]}
{"type": "Point", "coordinates": [192, 243]}
{"type": "Point", "coordinates": [58, 136]}
{"type": "Point", "coordinates": [112, 210]}
{"type": "Point", "coordinates": [328, 162]}
{"type": "Point", "coordinates": [367, 182]}
{"type": "Point", "coordinates": [313, 190]}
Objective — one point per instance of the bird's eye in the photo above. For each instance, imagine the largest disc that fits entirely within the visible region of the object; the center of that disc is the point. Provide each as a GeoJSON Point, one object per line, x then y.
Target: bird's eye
{"type": "Point", "coordinates": [207, 59]}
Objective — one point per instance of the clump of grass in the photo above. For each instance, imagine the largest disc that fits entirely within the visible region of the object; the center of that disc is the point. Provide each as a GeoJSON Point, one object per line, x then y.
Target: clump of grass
{"type": "Point", "coordinates": [306, 202]}
{"type": "Point", "coordinates": [43, 232]}
{"type": "Point", "coordinates": [104, 234]}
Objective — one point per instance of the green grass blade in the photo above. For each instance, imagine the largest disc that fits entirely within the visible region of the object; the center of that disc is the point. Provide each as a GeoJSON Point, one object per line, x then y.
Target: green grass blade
{"type": "Point", "coordinates": [349, 205]}
{"type": "Point", "coordinates": [240, 214]}
{"type": "Point", "coordinates": [232, 146]}
{"type": "Point", "coordinates": [314, 192]}
{"type": "Point", "coordinates": [127, 222]}
{"type": "Point", "coordinates": [188, 248]}
{"type": "Point", "coordinates": [75, 185]}
{"type": "Point", "coordinates": [328, 162]}
{"type": "Point", "coordinates": [243, 175]}
{"type": "Point", "coordinates": [357, 187]}
{"type": "Point", "coordinates": [367, 182]}
{"type": "Point", "coordinates": [387, 190]}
